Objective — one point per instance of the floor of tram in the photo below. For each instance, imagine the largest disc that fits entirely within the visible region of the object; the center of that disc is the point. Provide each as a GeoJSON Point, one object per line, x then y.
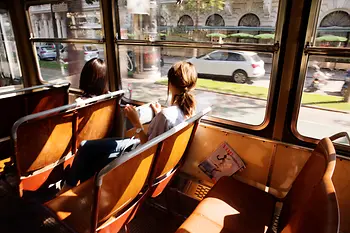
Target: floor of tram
{"type": "Point", "coordinates": [162, 214]}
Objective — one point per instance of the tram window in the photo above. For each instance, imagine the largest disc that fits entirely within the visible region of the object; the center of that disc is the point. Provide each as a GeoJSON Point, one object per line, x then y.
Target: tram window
{"type": "Point", "coordinates": [65, 63]}
{"type": "Point", "coordinates": [144, 70]}
{"type": "Point", "coordinates": [325, 105]}
{"type": "Point", "coordinates": [10, 72]}
{"type": "Point", "coordinates": [333, 26]}
{"type": "Point", "coordinates": [74, 19]}
{"type": "Point", "coordinates": [201, 21]}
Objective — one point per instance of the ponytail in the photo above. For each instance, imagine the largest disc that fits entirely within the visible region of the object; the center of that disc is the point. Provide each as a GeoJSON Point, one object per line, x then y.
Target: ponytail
{"type": "Point", "coordinates": [186, 103]}
{"type": "Point", "coordinates": [183, 76]}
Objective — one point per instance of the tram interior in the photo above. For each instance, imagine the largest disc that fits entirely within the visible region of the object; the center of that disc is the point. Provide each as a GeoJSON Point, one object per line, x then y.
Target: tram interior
{"type": "Point", "coordinates": [266, 151]}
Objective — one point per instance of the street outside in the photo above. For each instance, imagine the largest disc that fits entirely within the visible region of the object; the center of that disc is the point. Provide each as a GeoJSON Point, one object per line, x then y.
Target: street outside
{"type": "Point", "coordinates": [313, 122]}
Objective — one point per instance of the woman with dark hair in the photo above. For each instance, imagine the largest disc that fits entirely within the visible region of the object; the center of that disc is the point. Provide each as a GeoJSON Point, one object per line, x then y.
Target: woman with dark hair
{"type": "Point", "coordinates": [93, 155]}
{"type": "Point", "coordinates": [93, 79]}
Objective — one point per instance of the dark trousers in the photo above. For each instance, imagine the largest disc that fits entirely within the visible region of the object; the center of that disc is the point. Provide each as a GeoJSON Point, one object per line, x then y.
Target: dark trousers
{"type": "Point", "coordinates": [93, 155]}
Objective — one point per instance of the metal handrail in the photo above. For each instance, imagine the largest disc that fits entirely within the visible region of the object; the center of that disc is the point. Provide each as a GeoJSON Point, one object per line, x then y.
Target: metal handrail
{"type": "Point", "coordinates": [61, 109]}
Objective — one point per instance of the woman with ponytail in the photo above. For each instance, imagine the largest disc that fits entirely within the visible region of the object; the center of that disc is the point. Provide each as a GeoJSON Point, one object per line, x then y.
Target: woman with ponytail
{"type": "Point", "coordinates": [93, 155]}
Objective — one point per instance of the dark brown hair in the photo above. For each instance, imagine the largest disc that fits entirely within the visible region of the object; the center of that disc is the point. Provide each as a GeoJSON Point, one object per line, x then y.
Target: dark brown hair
{"type": "Point", "coordinates": [93, 80]}
{"type": "Point", "coordinates": [183, 76]}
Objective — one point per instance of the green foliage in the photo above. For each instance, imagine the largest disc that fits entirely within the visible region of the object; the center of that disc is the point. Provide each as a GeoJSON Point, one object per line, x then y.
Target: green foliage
{"type": "Point", "coordinates": [202, 6]}
{"type": "Point", "coordinates": [330, 38]}
{"type": "Point", "coordinates": [265, 36]}
{"type": "Point", "coordinates": [241, 35]}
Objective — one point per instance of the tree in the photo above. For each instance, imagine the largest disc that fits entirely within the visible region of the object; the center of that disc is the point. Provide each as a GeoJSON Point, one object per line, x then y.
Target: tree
{"type": "Point", "coordinates": [203, 6]}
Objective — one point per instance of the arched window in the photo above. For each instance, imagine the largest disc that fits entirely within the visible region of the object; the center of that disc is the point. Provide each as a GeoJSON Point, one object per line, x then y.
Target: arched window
{"type": "Point", "coordinates": [249, 20]}
{"type": "Point", "coordinates": [185, 20]}
{"type": "Point", "coordinates": [215, 20]}
{"type": "Point", "coordinates": [336, 18]}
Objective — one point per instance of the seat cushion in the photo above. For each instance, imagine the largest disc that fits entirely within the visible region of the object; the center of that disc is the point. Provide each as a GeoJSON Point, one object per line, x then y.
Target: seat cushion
{"type": "Point", "coordinates": [232, 206]}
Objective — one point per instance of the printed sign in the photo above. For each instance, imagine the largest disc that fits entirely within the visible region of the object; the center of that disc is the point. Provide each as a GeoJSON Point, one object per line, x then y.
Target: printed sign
{"type": "Point", "coordinates": [138, 7]}
{"type": "Point", "coordinates": [224, 161]}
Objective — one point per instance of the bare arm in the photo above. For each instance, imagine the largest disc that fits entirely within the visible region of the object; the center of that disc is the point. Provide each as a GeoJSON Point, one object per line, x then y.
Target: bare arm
{"type": "Point", "coordinates": [131, 114]}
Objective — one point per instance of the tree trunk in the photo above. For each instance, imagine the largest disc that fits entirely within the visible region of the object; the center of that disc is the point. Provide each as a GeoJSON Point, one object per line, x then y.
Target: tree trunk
{"type": "Point", "coordinates": [74, 54]}
{"type": "Point", "coordinates": [347, 95]}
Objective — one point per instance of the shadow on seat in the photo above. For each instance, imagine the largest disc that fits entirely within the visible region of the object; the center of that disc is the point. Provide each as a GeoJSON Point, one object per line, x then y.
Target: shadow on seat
{"type": "Point", "coordinates": [233, 206]}
{"type": "Point", "coordinates": [45, 143]}
{"type": "Point", "coordinates": [171, 153]}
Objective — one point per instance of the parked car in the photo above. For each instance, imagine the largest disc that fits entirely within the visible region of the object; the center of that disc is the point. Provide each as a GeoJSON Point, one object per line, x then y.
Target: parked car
{"type": "Point", "coordinates": [237, 64]}
{"type": "Point", "coordinates": [88, 52]}
{"type": "Point", "coordinates": [45, 52]}
{"type": "Point", "coordinates": [53, 45]}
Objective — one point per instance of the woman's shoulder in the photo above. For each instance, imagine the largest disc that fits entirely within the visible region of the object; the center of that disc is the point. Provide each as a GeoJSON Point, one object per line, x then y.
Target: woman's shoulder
{"type": "Point", "coordinates": [171, 111]}
{"type": "Point", "coordinates": [172, 114]}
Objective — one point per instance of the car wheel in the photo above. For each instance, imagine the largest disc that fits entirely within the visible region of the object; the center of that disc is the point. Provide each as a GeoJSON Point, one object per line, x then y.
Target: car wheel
{"type": "Point", "coordinates": [239, 76]}
{"type": "Point", "coordinates": [39, 57]}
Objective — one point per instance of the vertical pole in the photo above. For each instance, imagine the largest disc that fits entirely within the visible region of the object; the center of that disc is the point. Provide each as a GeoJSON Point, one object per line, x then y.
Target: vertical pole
{"type": "Point", "coordinates": [110, 48]}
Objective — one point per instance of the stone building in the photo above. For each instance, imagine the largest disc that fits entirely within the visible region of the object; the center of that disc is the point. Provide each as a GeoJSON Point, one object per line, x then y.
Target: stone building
{"type": "Point", "coordinates": [83, 20]}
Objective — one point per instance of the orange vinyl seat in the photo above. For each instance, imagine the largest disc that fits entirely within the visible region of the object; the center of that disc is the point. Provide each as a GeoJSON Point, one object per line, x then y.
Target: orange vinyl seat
{"type": "Point", "coordinates": [233, 206]}
{"type": "Point", "coordinates": [172, 152]}
{"type": "Point", "coordinates": [45, 143]}
{"type": "Point", "coordinates": [23, 102]}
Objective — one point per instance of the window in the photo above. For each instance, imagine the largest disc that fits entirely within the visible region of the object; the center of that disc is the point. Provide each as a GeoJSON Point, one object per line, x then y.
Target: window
{"type": "Point", "coordinates": [325, 105]}
{"type": "Point", "coordinates": [249, 20]}
{"type": "Point", "coordinates": [185, 20]}
{"type": "Point", "coordinates": [233, 81]}
{"type": "Point", "coordinates": [74, 20]}
{"type": "Point", "coordinates": [197, 21]}
{"type": "Point", "coordinates": [10, 72]}
{"type": "Point", "coordinates": [68, 62]}
{"type": "Point", "coordinates": [333, 29]}
{"type": "Point", "coordinates": [235, 57]}
{"type": "Point", "coordinates": [144, 70]}
{"type": "Point", "coordinates": [218, 56]}
{"type": "Point", "coordinates": [215, 20]}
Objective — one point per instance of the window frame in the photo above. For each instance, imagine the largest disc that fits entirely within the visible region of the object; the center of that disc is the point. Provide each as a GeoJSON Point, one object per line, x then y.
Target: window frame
{"type": "Point", "coordinates": [308, 51]}
{"type": "Point", "coordinates": [33, 40]}
{"type": "Point", "coordinates": [274, 49]}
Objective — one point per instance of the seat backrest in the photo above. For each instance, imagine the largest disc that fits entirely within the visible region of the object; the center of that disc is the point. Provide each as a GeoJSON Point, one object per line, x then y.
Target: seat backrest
{"type": "Point", "coordinates": [321, 213]}
{"type": "Point", "coordinates": [321, 163]}
{"type": "Point", "coordinates": [48, 139]}
{"type": "Point", "coordinates": [171, 152]}
{"type": "Point", "coordinates": [173, 149]}
{"type": "Point", "coordinates": [131, 176]}
{"type": "Point", "coordinates": [23, 102]}
{"type": "Point", "coordinates": [28, 101]}
{"type": "Point", "coordinates": [116, 186]}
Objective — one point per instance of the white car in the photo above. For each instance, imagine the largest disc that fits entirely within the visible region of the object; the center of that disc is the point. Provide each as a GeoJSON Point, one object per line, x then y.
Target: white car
{"type": "Point", "coordinates": [88, 51]}
{"type": "Point", "coordinates": [237, 64]}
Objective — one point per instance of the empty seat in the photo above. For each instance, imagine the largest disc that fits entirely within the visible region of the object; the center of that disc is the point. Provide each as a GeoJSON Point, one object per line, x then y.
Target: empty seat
{"type": "Point", "coordinates": [233, 206]}
{"type": "Point", "coordinates": [23, 102]}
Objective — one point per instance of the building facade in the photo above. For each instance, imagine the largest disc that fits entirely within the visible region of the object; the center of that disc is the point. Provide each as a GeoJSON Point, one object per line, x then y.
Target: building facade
{"type": "Point", "coordinates": [83, 20]}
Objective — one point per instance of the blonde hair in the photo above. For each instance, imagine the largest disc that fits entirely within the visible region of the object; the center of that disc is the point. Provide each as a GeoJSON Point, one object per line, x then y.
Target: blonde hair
{"type": "Point", "coordinates": [183, 76]}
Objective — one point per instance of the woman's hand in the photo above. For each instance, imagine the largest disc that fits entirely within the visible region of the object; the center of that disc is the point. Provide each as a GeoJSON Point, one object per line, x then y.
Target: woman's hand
{"type": "Point", "coordinates": [156, 107]}
{"type": "Point", "coordinates": [132, 115]}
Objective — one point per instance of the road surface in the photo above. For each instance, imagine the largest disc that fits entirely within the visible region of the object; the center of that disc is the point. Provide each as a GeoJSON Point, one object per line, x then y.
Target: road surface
{"type": "Point", "coordinates": [312, 122]}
